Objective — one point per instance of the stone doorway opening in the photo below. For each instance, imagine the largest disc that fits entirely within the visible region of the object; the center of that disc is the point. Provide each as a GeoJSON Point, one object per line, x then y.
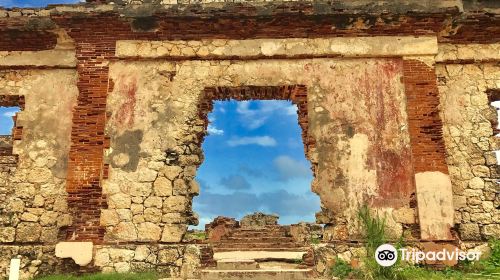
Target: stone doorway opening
{"type": "Point", "coordinates": [255, 171]}
{"type": "Point", "coordinates": [255, 162]}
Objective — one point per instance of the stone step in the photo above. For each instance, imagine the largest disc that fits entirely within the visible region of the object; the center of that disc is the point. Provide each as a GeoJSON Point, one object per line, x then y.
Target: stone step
{"type": "Point", "coordinates": [255, 245]}
{"type": "Point", "coordinates": [243, 249]}
{"type": "Point", "coordinates": [258, 239]}
{"type": "Point", "coordinates": [236, 264]}
{"type": "Point", "coordinates": [258, 234]}
{"type": "Point", "coordinates": [260, 255]}
{"type": "Point", "coordinates": [261, 274]}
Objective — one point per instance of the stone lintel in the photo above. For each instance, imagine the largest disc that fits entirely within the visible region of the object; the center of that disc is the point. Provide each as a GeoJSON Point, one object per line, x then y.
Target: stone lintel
{"type": "Point", "coordinates": [380, 46]}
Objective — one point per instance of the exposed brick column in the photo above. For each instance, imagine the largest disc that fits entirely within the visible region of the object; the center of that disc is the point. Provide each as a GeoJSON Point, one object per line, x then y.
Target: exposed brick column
{"type": "Point", "coordinates": [433, 185]}
{"type": "Point", "coordinates": [425, 125]}
{"type": "Point", "coordinates": [94, 49]}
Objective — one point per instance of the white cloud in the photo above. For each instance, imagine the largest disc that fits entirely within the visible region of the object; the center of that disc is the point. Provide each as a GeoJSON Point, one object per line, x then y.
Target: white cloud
{"type": "Point", "coordinates": [9, 114]}
{"type": "Point", "coordinates": [212, 130]}
{"type": "Point", "coordinates": [265, 141]}
{"type": "Point", "coordinates": [254, 118]}
{"type": "Point", "coordinates": [289, 168]}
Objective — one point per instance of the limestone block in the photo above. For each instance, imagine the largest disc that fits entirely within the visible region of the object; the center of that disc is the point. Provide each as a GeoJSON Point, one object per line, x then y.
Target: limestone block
{"type": "Point", "coordinates": [153, 201]}
{"type": "Point", "coordinates": [102, 258]}
{"type": "Point", "coordinates": [162, 187]}
{"type": "Point", "coordinates": [141, 253]}
{"type": "Point", "coordinates": [148, 232]}
{"type": "Point", "coordinates": [404, 215]}
{"type": "Point", "coordinates": [459, 201]}
{"type": "Point", "coordinates": [29, 217]}
{"type": "Point", "coordinates": [152, 215]}
{"type": "Point", "coordinates": [491, 231]}
{"type": "Point", "coordinates": [121, 255]}
{"type": "Point", "coordinates": [173, 232]}
{"type": "Point", "coordinates": [39, 175]}
{"type": "Point", "coordinates": [488, 206]}
{"type": "Point", "coordinates": [484, 218]}
{"type": "Point", "coordinates": [180, 187]}
{"type": "Point", "coordinates": [25, 191]}
{"type": "Point", "coordinates": [187, 160]}
{"type": "Point", "coordinates": [60, 204]}
{"type": "Point", "coordinates": [476, 183]}
{"type": "Point", "coordinates": [171, 172]}
{"type": "Point", "coordinates": [194, 187]}
{"type": "Point", "coordinates": [125, 231]}
{"type": "Point", "coordinates": [119, 201]}
{"type": "Point", "coordinates": [175, 204]}
{"type": "Point", "coordinates": [16, 206]}
{"type": "Point", "coordinates": [168, 256]}
{"type": "Point", "coordinates": [38, 201]}
{"type": "Point", "coordinates": [7, 234]}
{"type": "Point", "coordinates": [136, 208]}
{"type": "Point", "coordinates": [481, 171]}
{"type": "Point", "coordinates": [80, 252]}
{"type": "Point", "coordinates": [64, 220]}
{"type": "Point", "coordinates": [191, 261]}
{"type": "Point", "coordinates": [469, 232]}
{"type": "Point", "coordinates": [124, 214]}
{"type": "Point", "coordinates": [147, 175]}
{"type": "Point", "coordinates": [49, 234]}
{"type": "Point", "coordinates": [28, 232]}
{"type": "Point", "coordinates": [109, 217]}
{"type": "Point", "coordinates": [49, 218]}
{"type": "Point", "coordinates": [137, 219]}
{"type": "Point", "coordinates": [140, 189]}
{"type": "Point", "coordinates": [173, 218]}
{"type": "Point", "coordinates": [122, 267]}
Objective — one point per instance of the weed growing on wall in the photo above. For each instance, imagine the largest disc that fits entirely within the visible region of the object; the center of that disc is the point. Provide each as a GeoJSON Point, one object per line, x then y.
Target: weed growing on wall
{"type": "Point", "coordinates": [374, 235]}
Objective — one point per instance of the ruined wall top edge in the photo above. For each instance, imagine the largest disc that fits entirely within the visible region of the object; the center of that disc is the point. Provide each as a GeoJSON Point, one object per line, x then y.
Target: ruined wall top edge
{"type": "Point", "coordinates": [148, 7]}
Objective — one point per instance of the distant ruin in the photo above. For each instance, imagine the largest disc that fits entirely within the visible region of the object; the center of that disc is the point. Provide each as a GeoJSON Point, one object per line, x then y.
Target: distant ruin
{"type": "Point", "coordinates": [394, 105]}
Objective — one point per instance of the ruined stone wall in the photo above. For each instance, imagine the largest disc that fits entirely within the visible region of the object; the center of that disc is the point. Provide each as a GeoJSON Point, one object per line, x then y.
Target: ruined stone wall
{"type": "Point", "coordinates": [36, 207]}
{"type": "Point", "coordinates": [176, 261]}
{"type": "Point", "coordinates": [33, 204]}
{"type": "Point", "coordinates": [155, 106]}
{"type": "Point", "coordinates": [114, 119]}
{"type": "Point", "coordinates": [466, 73]}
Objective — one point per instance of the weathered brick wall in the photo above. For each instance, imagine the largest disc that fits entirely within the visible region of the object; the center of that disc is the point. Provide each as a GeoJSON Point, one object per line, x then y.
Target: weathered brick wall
{"type": "Point", "coordinates": [119, 139]}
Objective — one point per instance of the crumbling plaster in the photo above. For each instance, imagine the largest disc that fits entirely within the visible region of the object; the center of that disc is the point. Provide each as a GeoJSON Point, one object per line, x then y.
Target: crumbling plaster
{"type": "Point", "coordinates": [35, 207]}
{"type": "Point", "coordinates": [342, 115]}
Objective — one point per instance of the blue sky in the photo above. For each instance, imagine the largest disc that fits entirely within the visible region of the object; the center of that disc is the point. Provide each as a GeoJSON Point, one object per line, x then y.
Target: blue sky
{"type": "Point", "coordinates": [6, 122]}
{"type": "Point", "coordinates": [33, 3]}
{"type": "Point", "coordinates": [254, 161]}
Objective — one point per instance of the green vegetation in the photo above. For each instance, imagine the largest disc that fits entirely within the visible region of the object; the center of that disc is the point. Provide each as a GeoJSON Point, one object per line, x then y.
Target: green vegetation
{"type": "Point", "coordinates": [104, 276]}
{"type": "Point", "coordinates": [195, 235]}
{"type": "Point", "coordinates": [315, 240]}
{"type": "Point", "coordinates": [343, 270]}
{"type": "Point", "coordinates": [374, 229]}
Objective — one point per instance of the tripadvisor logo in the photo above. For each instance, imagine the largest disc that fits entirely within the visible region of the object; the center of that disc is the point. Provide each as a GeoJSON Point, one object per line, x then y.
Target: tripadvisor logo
{"type": "Point", "coordinates": [387, 255]}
